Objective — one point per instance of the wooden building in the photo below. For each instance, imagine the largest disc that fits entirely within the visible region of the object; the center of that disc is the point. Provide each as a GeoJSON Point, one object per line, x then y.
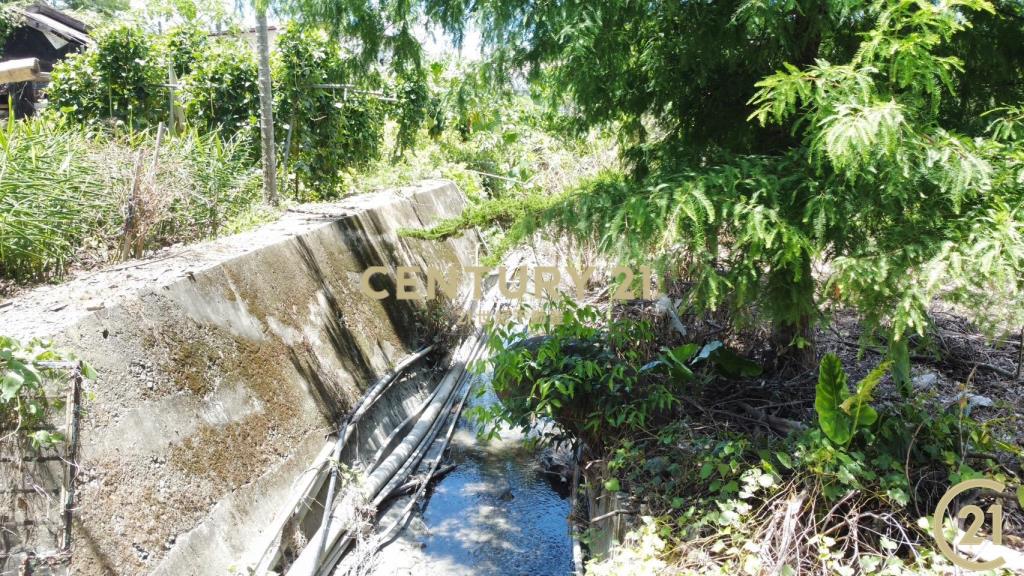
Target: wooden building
{"type": "Point", "coordinates": [44, 35]}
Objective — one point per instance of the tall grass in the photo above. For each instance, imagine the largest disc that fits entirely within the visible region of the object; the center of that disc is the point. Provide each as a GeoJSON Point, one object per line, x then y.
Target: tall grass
{"type": "Point", "coordinates": [49, 198]}
{"type": "Point", "coordinates": [225, 184]}
{"type": "Point", "coordinates": [64, 193]}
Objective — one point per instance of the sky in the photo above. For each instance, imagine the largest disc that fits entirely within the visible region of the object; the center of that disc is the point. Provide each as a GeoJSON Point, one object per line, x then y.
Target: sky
{"type": "Point", "coordinates": [435, 43]}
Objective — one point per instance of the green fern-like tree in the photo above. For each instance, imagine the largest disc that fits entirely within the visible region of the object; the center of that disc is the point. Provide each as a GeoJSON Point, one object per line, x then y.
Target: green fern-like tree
{"type": "Point", "coordinates": [785, 154]}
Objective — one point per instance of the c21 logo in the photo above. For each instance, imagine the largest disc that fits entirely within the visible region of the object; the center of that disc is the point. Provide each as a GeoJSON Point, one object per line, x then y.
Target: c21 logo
{"type": "Point", "coordinates": [972, 535]}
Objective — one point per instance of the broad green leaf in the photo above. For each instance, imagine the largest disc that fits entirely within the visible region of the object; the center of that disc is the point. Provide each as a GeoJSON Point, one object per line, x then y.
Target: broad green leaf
{"type": "Point", "coordinates": [685, 352]}
{"type": "Point", "coordinates": [866, 416]}
{"type": "Point", "coordinates": [784, 459]}
{"type": "Point", "coordinates": [88, 371]}
{"type": "Point", "coordinates": [732, 364]}
{"type": "Point", "coordinates": [830, 393]}
{"type": "Point", "coordinates": [681, 372]}
{"type": "Point", "coordinates": [705, 470]}
{"type": "Point", "coordinates": [12, 383]}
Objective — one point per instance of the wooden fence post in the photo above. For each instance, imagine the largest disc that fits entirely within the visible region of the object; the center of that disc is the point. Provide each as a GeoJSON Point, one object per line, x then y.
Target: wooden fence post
{"type": "Point", "coordinates": [72, 418]}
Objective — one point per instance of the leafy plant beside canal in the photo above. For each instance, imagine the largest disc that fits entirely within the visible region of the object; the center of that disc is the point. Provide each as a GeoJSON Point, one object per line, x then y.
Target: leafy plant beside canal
{"type": "Point", "coordinates": [596, 379]}
{"type": "Point", "coordinates": [850, 490]}
{"type": "Point", "coordinates": [31, 391]}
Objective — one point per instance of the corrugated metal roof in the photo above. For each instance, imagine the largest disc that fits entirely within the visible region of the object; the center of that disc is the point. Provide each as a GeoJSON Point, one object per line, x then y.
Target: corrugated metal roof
{"type": "Point", "coordinates": [40, 17]}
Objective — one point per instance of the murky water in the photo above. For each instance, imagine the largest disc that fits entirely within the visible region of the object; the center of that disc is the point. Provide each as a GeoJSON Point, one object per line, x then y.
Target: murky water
{"type": "Point", "coordinates": [496, 513]}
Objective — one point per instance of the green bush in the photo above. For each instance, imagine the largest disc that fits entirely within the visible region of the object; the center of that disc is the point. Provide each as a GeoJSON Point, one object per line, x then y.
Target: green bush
{"type": "Point", "coordinates": [184, 45]}
{"type": "Point", "coordinates": [331, 129]}
{"type": "Point", "coordinates": [24, 403]}
{"type": "Point", "coordinates": [222, 91]}
{"type": "Point", "coordinates": [715, 487]}
{"type": "Point", "coordinates": [468, 102]}
{"type": "Point", "coordinates": [8, 22]}
{"type": "Point", "coordinates": [598, 379]}
{"type": "Point", "coordinates": [413, 104]}
{"type": "Point", "coordinates": [119, 79]}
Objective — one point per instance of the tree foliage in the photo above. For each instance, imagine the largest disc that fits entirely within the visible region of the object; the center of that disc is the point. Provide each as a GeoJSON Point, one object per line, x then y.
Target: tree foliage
{"type": "Point", "coordinates": [101, 7]}
{"type": "Point", "coordinates": [184, 45]}
{"type": "Point", "coordinates": [332, 128]}
{"type": "Point", "coordinates": [379, 30]}
{"type": "Point", "coordinates": [208, 14]}
{"type": "Point", "coordinates": [414, 101]}
{"type": "Point", "coordinates": [220, 92]}
{"type": "Point", "coordinates": [770, 138]}
{"type": "Point", "coordinates": [9, 21]}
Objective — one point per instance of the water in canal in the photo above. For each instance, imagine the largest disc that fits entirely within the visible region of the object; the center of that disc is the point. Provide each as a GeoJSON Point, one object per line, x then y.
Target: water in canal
{"type": "Point", "coordinates": [497, 513]}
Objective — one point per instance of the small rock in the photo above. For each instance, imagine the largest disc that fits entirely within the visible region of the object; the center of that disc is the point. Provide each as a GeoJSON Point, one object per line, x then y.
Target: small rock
{"type": "Point", "coordinates": [656, 465]}
{"type": "Point", "coordinates": [926, 380]}
{"type": "Point", "coordinates": [974, 400]}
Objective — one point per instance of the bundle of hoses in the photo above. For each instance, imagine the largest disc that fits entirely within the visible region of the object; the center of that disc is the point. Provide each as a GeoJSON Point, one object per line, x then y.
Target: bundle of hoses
{"type": "Point", "coordinates": [392, 465]}
{"type": "Point", "coordinates": [272, 551]}
{"type": "Point", "coordinates": [385, 536]}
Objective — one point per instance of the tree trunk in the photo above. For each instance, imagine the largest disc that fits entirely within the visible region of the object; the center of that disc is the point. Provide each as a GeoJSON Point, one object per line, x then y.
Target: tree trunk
{"type": "Point", "coordinates": [266, 110]}
{"type": "Point", "coordinates": [790, 293]}
{"type": "Point", "coordinates": [794, 344]}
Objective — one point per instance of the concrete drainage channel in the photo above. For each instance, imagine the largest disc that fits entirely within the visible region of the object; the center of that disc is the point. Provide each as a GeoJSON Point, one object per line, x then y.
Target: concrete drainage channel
{"type": "Point", "coordinates": [459, 530]}
{"type": "Point", "coordinates": [208, 441]}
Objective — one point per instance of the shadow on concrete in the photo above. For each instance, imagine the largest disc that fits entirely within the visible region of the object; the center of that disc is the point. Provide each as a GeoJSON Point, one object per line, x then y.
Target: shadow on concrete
{"type": "Point", "coordinates": [403, 315]}
{"type": "Point", "coordinates": [83, 536]}
{"type": "Point", "coordinates": [327, 391]}
{"type": "Point", "coordinates": [357, 237]}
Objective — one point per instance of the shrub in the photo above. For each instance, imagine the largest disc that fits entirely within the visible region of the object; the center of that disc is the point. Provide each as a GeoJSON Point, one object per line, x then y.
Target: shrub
{"type": "Point", "coordinates": [24, 403]}
{"type": "Point", "coordinates": [331, 129]}
{"type": "Point", "coordinates": [183, 46]}
{"type": "Point", "coordinates": [200, 184]}
{"type": "Point", "coordinates": [413, 103]}
{"type": "Point", "coordinates": [221, 92]}
{"type": "Point", "coordinates": [8, 22]}
{"type": "Point", "coordinates": [597, 379]}
{"type": "Point", "coordinates": [119, 79]}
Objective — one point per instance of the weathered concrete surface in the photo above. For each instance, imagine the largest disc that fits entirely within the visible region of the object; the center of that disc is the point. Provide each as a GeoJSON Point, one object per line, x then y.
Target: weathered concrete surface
{"type": "Point", "coordinates": [221, 370]}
